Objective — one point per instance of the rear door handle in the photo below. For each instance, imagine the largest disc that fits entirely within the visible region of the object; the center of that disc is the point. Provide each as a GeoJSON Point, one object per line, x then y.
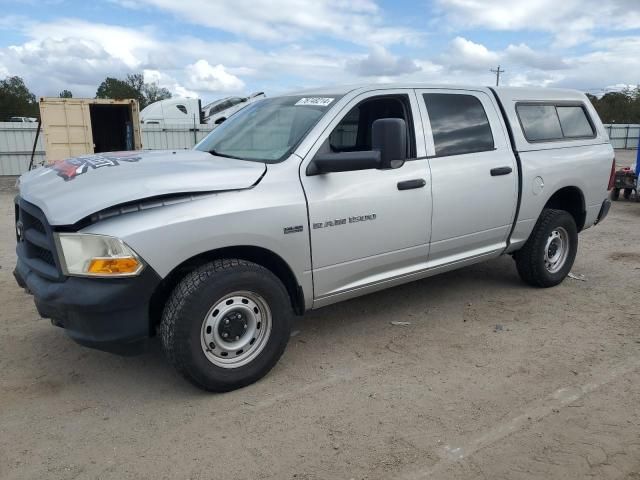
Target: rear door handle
{"type": "Point", "coordinates": [500, 171]}
{"type": "Point", "coordinates": [409, 184]}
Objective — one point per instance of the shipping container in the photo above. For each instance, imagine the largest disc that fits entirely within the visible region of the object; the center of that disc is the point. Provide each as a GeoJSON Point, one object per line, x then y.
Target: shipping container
{"type": "Point", "coordinates": [80, 126]}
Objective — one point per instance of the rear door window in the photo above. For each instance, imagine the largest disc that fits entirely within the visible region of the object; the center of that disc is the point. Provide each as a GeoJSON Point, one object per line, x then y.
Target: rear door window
{"type": "Point", "coordinates": [459, 124]}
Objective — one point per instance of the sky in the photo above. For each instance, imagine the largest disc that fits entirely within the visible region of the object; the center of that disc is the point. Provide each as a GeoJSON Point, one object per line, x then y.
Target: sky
{"type": "Point", "coordinates": [214, 48]}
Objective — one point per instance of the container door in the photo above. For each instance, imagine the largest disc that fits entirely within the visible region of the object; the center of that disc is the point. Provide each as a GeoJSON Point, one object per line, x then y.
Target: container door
{"type": "Point", "coordinates": [66, 124]}
{"type": "Point", "coordinates": [135, 121]}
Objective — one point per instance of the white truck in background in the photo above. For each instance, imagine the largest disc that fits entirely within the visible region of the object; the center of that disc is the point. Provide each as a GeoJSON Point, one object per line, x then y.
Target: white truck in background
{"type": "Point", "coordinates": [217, 112]}
{"type": "Point", "coordinates": [172, 111]}
{"type": "Point", "coordinates": [23, 119]}
{"type": "Point", "coordinates": [187, 111]}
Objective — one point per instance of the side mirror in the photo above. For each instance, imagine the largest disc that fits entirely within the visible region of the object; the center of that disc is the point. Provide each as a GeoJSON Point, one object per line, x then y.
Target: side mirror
{"type": "Point", "coordinates": [343, 162]}
{"type": "Point", "coordinates": [389, 137]}
{"type": "Point", "coordinates": [389, 147]}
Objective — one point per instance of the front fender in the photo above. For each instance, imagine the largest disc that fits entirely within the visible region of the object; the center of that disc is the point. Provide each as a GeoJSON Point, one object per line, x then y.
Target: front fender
{"type": "Point", "coordinates": [167, 236]}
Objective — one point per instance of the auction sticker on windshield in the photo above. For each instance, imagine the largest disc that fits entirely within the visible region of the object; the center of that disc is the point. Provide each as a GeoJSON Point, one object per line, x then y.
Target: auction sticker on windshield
{"type": "Point", "coordinates": [317, 101]}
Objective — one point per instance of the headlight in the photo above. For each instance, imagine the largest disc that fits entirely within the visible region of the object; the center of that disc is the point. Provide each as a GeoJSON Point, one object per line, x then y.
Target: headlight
{"type": "Point", "coordinates": [90, 255]}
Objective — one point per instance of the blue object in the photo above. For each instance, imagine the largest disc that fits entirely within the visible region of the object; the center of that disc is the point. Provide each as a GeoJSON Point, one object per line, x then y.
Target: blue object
{"type": "Point", "coordinates": [638, 168]}
{"type": "Point", "coordinates": [638, 157]}
{"type": "Point", "coordinates": [129, 136]}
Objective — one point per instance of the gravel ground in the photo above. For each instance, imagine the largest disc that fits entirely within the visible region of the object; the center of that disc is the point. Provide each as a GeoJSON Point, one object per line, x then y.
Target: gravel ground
{"type": "Point", "coordinates": [490, 379]}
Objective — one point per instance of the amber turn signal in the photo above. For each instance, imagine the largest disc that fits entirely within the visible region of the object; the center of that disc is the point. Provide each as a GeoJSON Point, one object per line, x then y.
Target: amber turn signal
{"type": "Point", "coordinates": [113, 266]}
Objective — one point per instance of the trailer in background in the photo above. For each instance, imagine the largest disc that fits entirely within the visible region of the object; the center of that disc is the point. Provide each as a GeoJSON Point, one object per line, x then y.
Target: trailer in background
{"type": "Point", "coordinates": [173, 112]}
{"type": "Point", "coordinates": [80, 126]}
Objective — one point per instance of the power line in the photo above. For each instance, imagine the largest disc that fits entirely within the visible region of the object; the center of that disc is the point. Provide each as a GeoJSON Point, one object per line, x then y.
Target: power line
{"type": "Point", "coordinates": [497, 72]}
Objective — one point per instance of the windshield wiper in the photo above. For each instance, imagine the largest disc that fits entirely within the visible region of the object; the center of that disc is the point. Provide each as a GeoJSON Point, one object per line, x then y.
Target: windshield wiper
{"type": "Point", "coordinates": [218, 154]}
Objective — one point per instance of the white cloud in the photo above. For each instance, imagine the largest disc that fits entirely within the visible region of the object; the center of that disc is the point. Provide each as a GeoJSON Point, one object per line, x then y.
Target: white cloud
{"type": "Point", "coordinates": [380, 61]}
{"type": "Point", "coordinates": [531, 78]}
{"type": "Point", "coordinates": [49, 66]}
{"type": "Point", "coordinates": [78, 55]}
{"type": "Point", "coordinates": [164, 80]}
{"type": "Point", "coordinates": [467, 55]}
{"type": "Point", "coordinates": [289, 44]}
{"type": "Point", "coordinates": [124, 44]}
{"type": "Point", "coordinates": [205, 77]}
{"type": "Point", "coordinates": [613, 61]}
{"type": "Point", "coordinates": [525, 66]}
{"type": "Point", "coordinates": [524, 55]}
{"type": "Point", "coordinates": [570, 21]}
{"type": "Point", "coordinates": [281, 21]}
{"type": "Point", "coordinates": [470, 62]}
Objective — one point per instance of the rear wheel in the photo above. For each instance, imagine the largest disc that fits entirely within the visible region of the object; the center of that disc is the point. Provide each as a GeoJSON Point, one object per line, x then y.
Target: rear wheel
{"type": "Point", "coordinates": [226, 324]}
{"type": "Point", "coordinates": [627, 193]}
{"type": "Point", "coordinates": [548, 255]}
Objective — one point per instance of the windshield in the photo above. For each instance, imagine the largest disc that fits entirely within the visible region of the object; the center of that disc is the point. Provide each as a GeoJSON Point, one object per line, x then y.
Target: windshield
{"type": "Point", "coordinates": [216, 102]}
{"type": "Point", "coordinates": [267, 130]}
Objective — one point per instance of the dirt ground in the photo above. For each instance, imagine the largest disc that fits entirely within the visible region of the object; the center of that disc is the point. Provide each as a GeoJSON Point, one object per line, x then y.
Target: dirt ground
{"type": "Point", "coordinates": [491, 379]}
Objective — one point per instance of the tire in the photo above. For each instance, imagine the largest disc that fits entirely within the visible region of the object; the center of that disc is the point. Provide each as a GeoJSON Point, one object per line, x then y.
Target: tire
{"type": "Point", "coordinates": [198, 314]}
{"type": "Point", "coordinates": [555, 236]}
{"type": "Point", "coordinates": [615, 194]}
{"type": "Point", "coordinates": [627, 193]}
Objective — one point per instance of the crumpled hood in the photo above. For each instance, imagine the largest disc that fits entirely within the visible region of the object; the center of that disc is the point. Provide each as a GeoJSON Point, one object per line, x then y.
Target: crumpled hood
{"type": "Point", "coordinates": [70, 190]}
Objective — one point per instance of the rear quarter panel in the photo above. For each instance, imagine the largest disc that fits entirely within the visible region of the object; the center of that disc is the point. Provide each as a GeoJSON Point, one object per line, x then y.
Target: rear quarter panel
{"type": "Point", "coordinates": [584, 163]}
{"type": "Point", "coordinates": [586, 167]}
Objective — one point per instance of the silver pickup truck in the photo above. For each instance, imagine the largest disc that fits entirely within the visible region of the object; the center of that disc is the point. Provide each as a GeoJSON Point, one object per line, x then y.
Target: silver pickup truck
{"type": "Point", "coordinates": [301, 201]}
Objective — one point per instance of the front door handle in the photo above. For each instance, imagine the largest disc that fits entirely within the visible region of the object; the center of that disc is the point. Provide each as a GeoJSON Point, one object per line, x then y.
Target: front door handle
{"type": "Point", "coordinates": [409, 184]}
{"type": "Point", "coordinates": [500, 171]}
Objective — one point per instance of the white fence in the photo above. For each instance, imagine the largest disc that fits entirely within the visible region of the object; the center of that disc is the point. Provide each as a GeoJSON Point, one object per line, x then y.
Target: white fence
{"type": "Point", "coordinates": [16, 145]}
{"type": "Point", "coordinates": [623, 135]}
{"type": "Point", "coordinates": [156, 137]}
{"type": "Point", "coordinates": [16, 142]}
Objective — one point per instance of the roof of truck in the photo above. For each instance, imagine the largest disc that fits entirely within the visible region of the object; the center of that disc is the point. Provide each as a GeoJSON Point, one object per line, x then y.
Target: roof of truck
{"type": "Point", "coordinates": [505, 93]}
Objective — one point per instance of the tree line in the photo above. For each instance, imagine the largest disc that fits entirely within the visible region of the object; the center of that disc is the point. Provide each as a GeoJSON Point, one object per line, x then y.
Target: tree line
{"type": "Point", "coordinates": [618, 107]}
{"type": "Point", "coordinates": [16, 100]}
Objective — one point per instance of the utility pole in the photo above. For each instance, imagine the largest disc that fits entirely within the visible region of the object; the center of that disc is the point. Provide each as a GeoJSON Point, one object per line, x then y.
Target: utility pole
{"type": "Point", "coordinates": [497, 72]}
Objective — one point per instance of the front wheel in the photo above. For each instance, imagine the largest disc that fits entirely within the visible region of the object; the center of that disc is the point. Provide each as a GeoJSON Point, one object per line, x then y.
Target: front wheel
{"type": "Point", "coordinates": [548, 255]}
{"type": "Point", "coordinates": [226, 324]}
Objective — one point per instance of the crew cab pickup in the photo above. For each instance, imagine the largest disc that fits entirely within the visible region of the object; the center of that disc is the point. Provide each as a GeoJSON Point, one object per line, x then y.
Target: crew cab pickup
{"type": "Point", "coordinates": [304, 200]}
